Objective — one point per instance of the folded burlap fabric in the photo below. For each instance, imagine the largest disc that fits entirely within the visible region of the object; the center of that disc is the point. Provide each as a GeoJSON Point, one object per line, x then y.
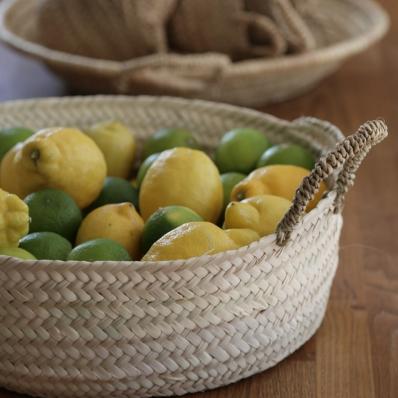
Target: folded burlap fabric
{"type": "Point", "coordinates": [106, 29]}
{"type": "Point", "coordinates": [286, 15]}
{"type": "Point", "coordinates": [304, 6]}
{"type": "Point", "coordinates": [224, 26]}
{"type": "Point", "coordinates": [127, 29]}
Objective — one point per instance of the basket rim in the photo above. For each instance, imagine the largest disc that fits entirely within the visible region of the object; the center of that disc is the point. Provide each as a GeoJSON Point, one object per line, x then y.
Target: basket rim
{"type": "Point", "coordinates": [268, 241]}
{"type": "Point", "coordinates": [164, 100]}
{"type": "Point", "coordinates": [328, 54]}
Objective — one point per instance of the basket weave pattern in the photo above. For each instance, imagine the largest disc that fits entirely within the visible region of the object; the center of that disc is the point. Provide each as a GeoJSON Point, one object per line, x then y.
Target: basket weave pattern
{"type": "Point", "coordinates": [139, 329]}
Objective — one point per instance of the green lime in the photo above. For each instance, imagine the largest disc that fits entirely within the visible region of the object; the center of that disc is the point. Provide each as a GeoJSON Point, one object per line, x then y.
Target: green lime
{"type": "Point", "coordinates": [99, 250]}
{"type": "Point", "coordinates": [46, 245]}
{"type": "Point", "coordinates": [52, 210]}
{"type": "Point", "coordinates": [11, 137]}
{"type": "Point", "coordinates": [229, 180]}
{"type": "Point", "coordinates": [115, 190]}
{"type": "Point", "coordinates": [145, 165]}
{"type": "Point", "coordinates": [17, 252]}
{"type": "Point", "coordinates": [164, 220]}
{"type": "Point", "coordinates": [168, 139]}
{"type": "Point", "coordinates": [240, 149]}
{"type": "Point", "coordinates": [290, 154]}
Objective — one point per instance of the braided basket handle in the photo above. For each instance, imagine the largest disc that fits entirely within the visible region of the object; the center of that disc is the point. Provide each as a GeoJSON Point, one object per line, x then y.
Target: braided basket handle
{"type": "Point", "coordinates": [346, 157]}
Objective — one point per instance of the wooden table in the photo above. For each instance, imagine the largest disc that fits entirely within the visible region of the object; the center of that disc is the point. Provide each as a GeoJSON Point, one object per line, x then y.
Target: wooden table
{"type": "Point", "coordinates": [355, 352]}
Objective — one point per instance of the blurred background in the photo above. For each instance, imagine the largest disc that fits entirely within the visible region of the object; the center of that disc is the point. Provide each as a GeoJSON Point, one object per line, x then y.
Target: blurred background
{"type": "Point", "coordinates": [251, 52]}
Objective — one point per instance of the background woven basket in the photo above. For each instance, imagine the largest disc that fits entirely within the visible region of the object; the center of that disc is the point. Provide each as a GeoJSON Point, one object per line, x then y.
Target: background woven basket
{"type": "Point", "coordinates": [342, 28]}
{"type": "Point", "coordinates": [138, 329]}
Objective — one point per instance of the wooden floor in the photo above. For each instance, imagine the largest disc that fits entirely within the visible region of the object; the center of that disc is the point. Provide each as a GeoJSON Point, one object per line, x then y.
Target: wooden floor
{"type": "Point", "coordinates": [355, 352]}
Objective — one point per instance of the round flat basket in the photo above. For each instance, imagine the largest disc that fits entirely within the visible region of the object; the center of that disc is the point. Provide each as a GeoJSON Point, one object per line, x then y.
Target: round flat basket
{"type": "Point", "coordinates": [141, 329]}
{"type": "Point", "coordinates": [346, 27]}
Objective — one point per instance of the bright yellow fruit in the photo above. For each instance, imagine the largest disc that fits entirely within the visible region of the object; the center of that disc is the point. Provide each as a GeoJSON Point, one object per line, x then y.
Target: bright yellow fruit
{"type": "Point", "coordinates": [242, 236]}
{"type": "Point", "coordinates": [278, 180]}
{"type": "Point", "coordinates": [260, 213]}
{"type": "Point", "coordinates": [61, 158]}
{"type": "Point", "coordinates": [17, 179]}
{"type": "Point", "coordinates": [185, 177]}
{"type": "Point", "coordinates": [190, 240]}
{"type": "Point", "coordinates": [118, 222]}
{"type": "Point", "coordinates": [17, 252]}
{"type": "Point", "coordinates": [14, 219]}
{"type": "Point", "coordinates": [117, 143]}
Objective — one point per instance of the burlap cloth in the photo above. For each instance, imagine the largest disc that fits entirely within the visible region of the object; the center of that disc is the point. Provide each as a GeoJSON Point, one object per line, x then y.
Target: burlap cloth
{"type": "Point", "coordinates": [126, 29]}
{"type": "Point", "coordinates": [105, 29]}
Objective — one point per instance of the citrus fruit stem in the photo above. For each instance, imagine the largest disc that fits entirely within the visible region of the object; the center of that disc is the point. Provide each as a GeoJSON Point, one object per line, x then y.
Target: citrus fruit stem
{"type": "Point", "coordinates": [35, 156]}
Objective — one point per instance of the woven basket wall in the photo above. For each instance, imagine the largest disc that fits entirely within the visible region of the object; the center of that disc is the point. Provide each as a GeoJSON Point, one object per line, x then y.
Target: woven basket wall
{"type": "Point", "coordinates": [134, 329]}
{"type": "Point", "coordinates": [342, 28]}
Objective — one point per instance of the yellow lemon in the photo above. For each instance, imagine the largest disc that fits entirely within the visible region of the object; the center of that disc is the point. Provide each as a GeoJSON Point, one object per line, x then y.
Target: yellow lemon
{"type": "Point", "coordinates": [164, 220]}
{"type": "Point", "coordinates": [242, 236]}
{"type": "Point", "coordinates": [17, 252]}
{"type": "Point", "coordinates": [259, 213]}
{"type": "Point", "coordinates": [117, 143]}
{"type": "Point", "coordinates": [279, 180]}
{"type": "Point", "coordinates": [60, 158]}
{"type": "Point", "coordinates": [118, 222]}
{"type": "Point", "coordinates": [184, 177]}
{"type": "Point", "coordinates": [14, 219]}
{"type": "Point", "coordinates": [190, 240]}
{"type": "Point", "coordinates": [16, 179]}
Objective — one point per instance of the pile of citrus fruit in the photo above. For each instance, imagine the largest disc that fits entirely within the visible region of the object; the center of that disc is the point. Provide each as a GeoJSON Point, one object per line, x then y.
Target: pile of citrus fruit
{"type": "Point", "coordinates": [68, 194]}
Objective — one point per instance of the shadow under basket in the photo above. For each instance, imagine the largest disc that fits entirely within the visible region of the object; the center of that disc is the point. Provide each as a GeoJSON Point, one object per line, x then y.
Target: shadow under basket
{"type": "Point", "coordinates": [141, 329]}
{"type": "Point", "coordinates": [342, 28]}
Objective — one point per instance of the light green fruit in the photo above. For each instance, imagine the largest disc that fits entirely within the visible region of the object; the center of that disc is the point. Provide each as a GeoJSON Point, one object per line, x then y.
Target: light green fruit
{"type": "Point", "coordinates": [46, 245]}
{"type": "Point", "coordinates": [290, 154]}
{"type": "Point", "coordinates": [99, 250]}
{"type": "Point", "coordinates": [11, 137]}
{"type": "Point", "coordinates": [169, 138]}
{"type": "Point", "coordinates": [115, 190]}
{"type": "Point", "coordinates": [240, 149]}
{"type": "Point", "coordinates": [53, 210]}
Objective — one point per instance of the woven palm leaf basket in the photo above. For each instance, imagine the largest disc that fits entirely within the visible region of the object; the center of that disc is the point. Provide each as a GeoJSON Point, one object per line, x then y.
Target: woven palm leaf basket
{"type": "Point", "coordinates": [142, 329]}
{"type": "Point", "coordinates": [341, 29]}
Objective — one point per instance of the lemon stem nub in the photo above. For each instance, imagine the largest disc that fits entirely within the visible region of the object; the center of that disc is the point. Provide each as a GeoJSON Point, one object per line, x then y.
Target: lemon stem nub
{"type": "Point", "coordinates": [35, 156]}
{"type": "Point", "coordinates": [241, 196]}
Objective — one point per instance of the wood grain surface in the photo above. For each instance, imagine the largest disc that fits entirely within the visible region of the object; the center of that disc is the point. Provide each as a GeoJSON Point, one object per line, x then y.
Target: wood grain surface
{"type": "Point", "coordinates": [355, 352]}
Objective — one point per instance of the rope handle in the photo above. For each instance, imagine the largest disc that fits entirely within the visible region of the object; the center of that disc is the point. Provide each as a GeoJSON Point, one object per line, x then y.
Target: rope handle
{"type": "Point", "coordinates": [346, 157]}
